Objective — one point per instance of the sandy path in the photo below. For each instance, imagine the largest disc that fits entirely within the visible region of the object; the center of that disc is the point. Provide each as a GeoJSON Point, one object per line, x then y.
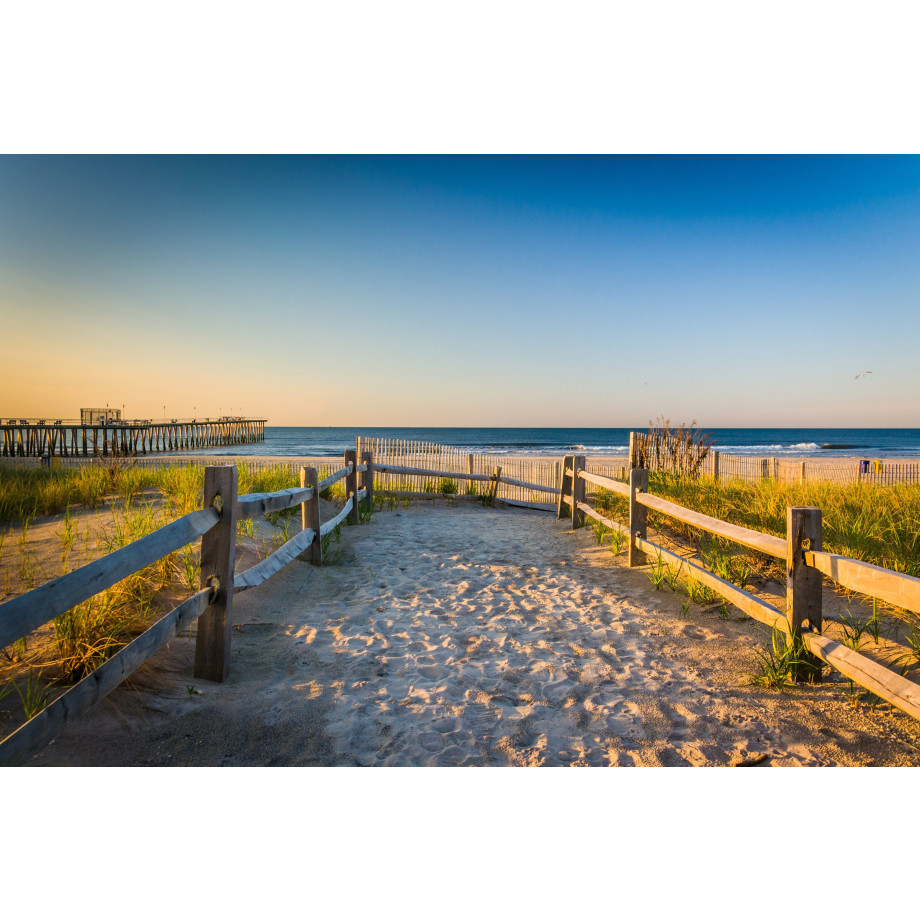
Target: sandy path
{"type": "Point", "coordinates": [471, 636]}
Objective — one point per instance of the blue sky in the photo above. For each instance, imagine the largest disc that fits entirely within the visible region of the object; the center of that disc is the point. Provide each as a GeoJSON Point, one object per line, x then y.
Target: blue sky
{"type": "Point", "coordinates": [464, 290]}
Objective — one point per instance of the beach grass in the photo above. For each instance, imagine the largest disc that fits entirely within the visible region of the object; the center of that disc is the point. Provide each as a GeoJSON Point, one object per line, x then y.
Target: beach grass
{"type": "Point", "coordinates": [872, 523]}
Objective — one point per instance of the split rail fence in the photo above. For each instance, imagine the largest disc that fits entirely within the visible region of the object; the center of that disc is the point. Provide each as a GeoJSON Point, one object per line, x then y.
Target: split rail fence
{"type": "Point", "coordinates": [211, 606]}
{"type": "Point", "coordinates": [805, 561]}
{"type": "Point", "coordinates": [376, 474]}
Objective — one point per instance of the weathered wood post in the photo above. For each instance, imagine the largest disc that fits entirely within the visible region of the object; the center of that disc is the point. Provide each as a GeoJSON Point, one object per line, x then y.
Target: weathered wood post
{"type": "Point", "coordinates": [802, 472]}
{"type": "Point", "coordinates": [715, 465]}
{"type": "Point", "coordinates": [309, 516]}
{"type": "Point", "coordinates": [638, 482]}
{"type": "Point", "coordinates": [803, 583]}
{"type": "Point", "coordinates": [367, 479]}
{"type": "Point", "coordinates": [351, 484]}
{"type": "Point", "coordinates": [218, 559]}
{"type": "Point", "coordinates": [565, 487]}
{"type": "Point", "coordinates": [633, 449]}
{"type": "Point", "coordinates": [578, 492]}
{"type": "Point", "coordinates": [496, 476]}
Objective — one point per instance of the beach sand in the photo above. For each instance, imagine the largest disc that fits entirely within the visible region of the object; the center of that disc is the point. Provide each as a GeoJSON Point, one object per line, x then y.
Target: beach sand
{"type": "Point", "coordinates": [468, 636]}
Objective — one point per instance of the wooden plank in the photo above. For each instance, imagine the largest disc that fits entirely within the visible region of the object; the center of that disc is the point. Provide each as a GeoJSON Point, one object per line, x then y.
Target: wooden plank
{"type": "Point", "coordinates": [310, 516]}
{"type": "Point", "coordinates": [565, 487]}
{"type": "Point", "coordinates": [874, 677]}
{"type": "Point", "coordinates": [333, 478]}
{"type": "Point", "coordinates": [536, 506]}
{"type": "Point", "coordinates": [803, 584]}
{"type": "Point", "coordinates": [30, 738]}
{"type": "Point", "coordinates": [612, 485]}
{"type": "Point", "coordinates": [520, 483]}
{"type": "Point", "coordinates": [753, 606]}
{"type": "Point", "coordinates": [493, 491]}
{"type": "Point", "coordinates": [218, 560]}
{"type": "Point", "coordinates": [594, 513]}
{"type": "Point", "coordinates": [638, 483]}
{"type": "Point", "coordinates": [367, 483]}
{"type": "Point", "coordinates": [872, 580]}
{"type": "Point", "coordinates": [351, 482]}
{"type": "Point", "coordinates": [578, 492]}
{"type": "Point", "coordinates": [22, 614]}
{"type": "Point", "coordinates": [258, 503]}
{"type": "Point", "coordinates": [418, 471]}
{"type": "Point", "coordinates": [332, 523]}
{"type": "Point", "coordinates": [271, 565]}
{"type": "Point", "coordinates": [765, 543]}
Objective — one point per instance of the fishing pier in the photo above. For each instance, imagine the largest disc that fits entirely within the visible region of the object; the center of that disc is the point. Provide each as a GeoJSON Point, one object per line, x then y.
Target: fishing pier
{"type": "Point", "coordinates": [75, 438]}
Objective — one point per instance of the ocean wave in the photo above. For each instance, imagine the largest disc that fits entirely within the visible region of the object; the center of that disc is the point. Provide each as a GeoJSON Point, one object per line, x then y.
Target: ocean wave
{"type": "Point", "coordinates": [764, 448]}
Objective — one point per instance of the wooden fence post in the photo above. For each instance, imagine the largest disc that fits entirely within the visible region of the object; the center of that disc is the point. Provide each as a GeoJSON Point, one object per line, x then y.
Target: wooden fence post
{"type": "Point", "coordinates": [309, 516]}
{"type": "Point", "coordinates": [367, 479]}
{"type": "Point", "coordinates": [803, 584]}
{"type": "Point", "coordinates": [638, 482]}
{"type": "Point", "coordinates": [565, 486]}
{"type": "Point", "coordinates": [351, 484]}
{"type": "Point", "coordinates": [218, 559]}
{"type": "Point", "coordinates": [715, 465]}
{"type": "Point", "coordinates": [802, 472]}
{"type": "Point", "coordinates": [578, 492]}
{"type": "Point", "coordinates": [632, 450]}
{"type": "Point", "coordinates": [496, 475]}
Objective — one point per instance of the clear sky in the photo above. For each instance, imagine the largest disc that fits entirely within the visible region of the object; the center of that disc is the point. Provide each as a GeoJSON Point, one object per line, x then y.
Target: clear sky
{"type": "Point", "coordinates": [506, 291]}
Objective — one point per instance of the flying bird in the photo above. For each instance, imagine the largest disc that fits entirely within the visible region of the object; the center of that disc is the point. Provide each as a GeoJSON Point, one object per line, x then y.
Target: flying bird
{"type": "Point", "coordinates": [863, 374]}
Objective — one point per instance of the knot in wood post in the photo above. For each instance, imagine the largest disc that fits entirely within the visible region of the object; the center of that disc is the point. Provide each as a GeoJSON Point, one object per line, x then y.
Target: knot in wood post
{"type": "Point", "coordinates": [565, 487]}
{"type": "Point", "coordinates": [638, 482]}
{"type": "Point", "coordinates": [803, 584]}
{"type": "Point", "coordinates": [218, 559]}
{"type": "Point", "coordinates": [578, 492]}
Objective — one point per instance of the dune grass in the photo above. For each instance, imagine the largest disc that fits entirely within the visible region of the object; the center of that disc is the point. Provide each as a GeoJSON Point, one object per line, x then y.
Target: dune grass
{"type": "Point", "coordinates": [140, 500]}
{"type": "Point", "coordinates": [872, 523]}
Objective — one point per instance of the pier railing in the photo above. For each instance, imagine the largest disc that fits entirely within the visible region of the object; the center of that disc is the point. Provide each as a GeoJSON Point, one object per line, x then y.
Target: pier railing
{"type": "Point", "coordinates": [73, 438]}
{"type": "Point", "coordinates": [216, 525]}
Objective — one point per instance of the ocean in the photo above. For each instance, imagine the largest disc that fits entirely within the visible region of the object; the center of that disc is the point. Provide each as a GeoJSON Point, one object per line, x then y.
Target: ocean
{"type": "Point", "coordinates": [825, 443]}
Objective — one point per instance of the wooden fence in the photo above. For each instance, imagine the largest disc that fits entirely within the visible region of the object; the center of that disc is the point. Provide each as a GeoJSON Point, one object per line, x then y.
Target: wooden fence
{"type": "Point", "coordinates": [806, 563]}
{"type": "Point", "coordinates": [211, 606]}
{"type": "Point", "coordinates": [216, 524]}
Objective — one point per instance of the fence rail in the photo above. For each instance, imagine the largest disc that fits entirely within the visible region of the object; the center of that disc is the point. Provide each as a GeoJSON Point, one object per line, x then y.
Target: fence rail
{"type": "Point", "coordinates": [805, 564]}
